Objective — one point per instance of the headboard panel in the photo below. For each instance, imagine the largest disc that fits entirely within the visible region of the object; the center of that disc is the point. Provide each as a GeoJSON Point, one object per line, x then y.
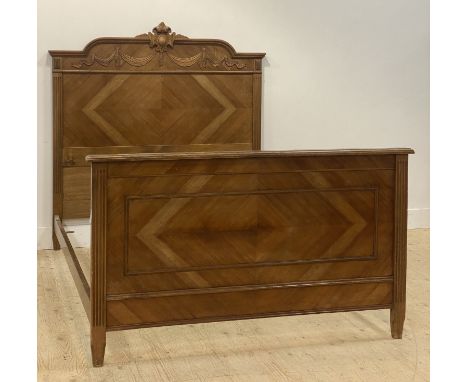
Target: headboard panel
{"type": "Point", "coordinates": [156, 92]}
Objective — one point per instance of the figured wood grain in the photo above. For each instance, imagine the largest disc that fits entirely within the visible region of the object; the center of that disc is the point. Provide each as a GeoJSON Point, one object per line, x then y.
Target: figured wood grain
{"type": "Point", "coordinates": [197, 288]}
{"type": "Point", "coordinates": [198, 218]}
{"type": "Point", "coordinates": [269, 274]}
{"type": "Point", "coordinates": [139, 109]}
{"type": "Point", "coordinates": [156, 92]}
{"type": "Point", "coordinates": [202, 231]}
{"type": "Point", "coordinates": [340, 346]}
{"type": "Point", "coordinates": [253, 303]}
{"type": "Point", "coordinates": [76, 183]}
{"type": "Point", "coordinates": [241, 288]}
{"type": "Point", "coordinates": [169, 166]}
{"type": "Point", "coordinates": [76, 201]}
{"type": "Point", "coordinates": [76, 192]}
{"type": "Point", "coordinates": [203, 295]}
{"type": "Point", "coordinates": [151, 266]}
{"type": "Point", "coordinates": [76, 208]}
{"type": "Point", "coordinates": [325, 258]}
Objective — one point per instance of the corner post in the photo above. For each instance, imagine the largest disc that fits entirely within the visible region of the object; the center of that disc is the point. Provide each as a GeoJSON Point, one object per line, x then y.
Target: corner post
{"type": "Point", "coordinates": [57, 95]}
{"type": "Point", "coordinates": [398, 309]}
{"type": "Point", "coordinates": [257, 105]}
{"type": "Point", "coordinates": [98, 261]}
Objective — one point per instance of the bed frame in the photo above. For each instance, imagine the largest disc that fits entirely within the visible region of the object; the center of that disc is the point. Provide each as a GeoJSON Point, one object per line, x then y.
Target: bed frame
{"type": "Point", "coordinates": [159, 137]}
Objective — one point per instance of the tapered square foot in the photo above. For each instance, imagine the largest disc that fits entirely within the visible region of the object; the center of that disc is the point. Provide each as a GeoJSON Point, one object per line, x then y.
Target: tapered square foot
{"type": "Point", "coordinates": [55, 242]}
{"type": "Point", "coordinates": [98, 345]}
{"type": "Point", "coordinates": [397, 320]}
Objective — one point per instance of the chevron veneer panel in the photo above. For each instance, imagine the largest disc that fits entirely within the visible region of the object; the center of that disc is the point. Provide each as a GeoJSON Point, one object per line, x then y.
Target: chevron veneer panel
{"type": "Point", "coordinates": [150, 113]}
{"type": "Point", "coordinates": [141, 109]}
{"type": "Point", "coordinates": [190, 222]}
{"type": "Point", "coordinates": [224, 222]}
{"type": "Point", "coordinates": [214, 230]}
{"type": "Point", "coordinates": [198, 237]}
{"type": "Point", "coordinates": [156, 92]}
{"type": "Point", "coordinates": [229, 222]}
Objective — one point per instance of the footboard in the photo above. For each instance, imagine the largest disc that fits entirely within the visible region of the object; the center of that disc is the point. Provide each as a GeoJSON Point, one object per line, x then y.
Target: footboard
{"type": "Point", "coordinates": [183, 238]}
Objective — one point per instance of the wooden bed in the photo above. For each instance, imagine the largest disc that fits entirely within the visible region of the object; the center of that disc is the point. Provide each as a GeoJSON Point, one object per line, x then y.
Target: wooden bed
{"type": "Point", "coordinates": [157, 146]}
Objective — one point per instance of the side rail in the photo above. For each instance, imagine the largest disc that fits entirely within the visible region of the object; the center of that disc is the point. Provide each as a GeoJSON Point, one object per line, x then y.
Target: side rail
{"type": "Point", "coordinates": [73, 264]}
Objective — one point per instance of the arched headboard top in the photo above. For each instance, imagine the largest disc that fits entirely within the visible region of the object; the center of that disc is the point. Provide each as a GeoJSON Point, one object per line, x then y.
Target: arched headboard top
{"type": "Point", "coordinates": [158, 50]}
{"type": "Point", "coordinates": [156, 92]}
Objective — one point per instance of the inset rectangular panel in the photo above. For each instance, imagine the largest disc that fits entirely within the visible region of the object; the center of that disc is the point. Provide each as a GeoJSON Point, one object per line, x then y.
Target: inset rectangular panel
{"type": "Point", "coordinates": [152, 109]}
{"type": "Point", "coordinates": [203, 231]}
{"type": "Point", "coordinates": [182, 308]}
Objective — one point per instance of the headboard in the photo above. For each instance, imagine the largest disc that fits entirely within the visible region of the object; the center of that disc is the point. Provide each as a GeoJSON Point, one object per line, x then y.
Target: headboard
{"type": "Point", "coordinates": [156, 92]}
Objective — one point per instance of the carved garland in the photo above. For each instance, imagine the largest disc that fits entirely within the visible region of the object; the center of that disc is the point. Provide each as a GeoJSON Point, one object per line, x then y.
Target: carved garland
{"type": "Point", "coordinates": [161, 39]}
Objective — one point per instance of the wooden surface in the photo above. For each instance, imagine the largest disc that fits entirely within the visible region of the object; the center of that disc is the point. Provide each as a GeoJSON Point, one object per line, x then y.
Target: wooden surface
{"type": "Point", "coordinates": [138, 157]}
{"type": "Point", "coordinates": [79, 276]}
{"type": "Point", "coordinates": [397, 312]}
{"type": "Point", "coordinates": [187, 238]}
{"type": "Point", "coordinates": [156, 92]}
{"type": "Point", "coordinates": [98, 263]}
{"type": "Point", "coordinates": [352, 346]}
{"type": "Point", "coordinates": [211, 239]}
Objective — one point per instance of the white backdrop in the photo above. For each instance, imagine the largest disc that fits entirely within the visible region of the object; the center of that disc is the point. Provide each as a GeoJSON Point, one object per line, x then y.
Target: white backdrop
{"type": "Point", "coordinates": [348, 73]}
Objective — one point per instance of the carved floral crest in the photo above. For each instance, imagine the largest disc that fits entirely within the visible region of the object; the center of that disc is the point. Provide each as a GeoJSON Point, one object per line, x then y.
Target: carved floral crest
{"type": "Point", "coordinates": [161, 39]}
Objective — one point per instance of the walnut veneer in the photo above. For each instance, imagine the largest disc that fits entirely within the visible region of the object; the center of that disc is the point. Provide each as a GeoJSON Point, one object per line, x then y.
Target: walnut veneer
{"type": "Point", "coordinates": [182, 236]}
{"type": "Point", "coordinates": [156, 92]}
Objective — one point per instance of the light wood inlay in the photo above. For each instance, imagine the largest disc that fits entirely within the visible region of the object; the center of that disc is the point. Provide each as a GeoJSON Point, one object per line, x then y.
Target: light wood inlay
{"type": "Point", "coordinates": [205, 256]}
{"type": "Point", "coordinates": [354, 344]}
{"type": "Point", "coordinates": [227, 105]}
{"type": "Point", "coordinates": [236, 229]}
{"type": "Point", "coordinates": [90, 110]}
{"type": "Point", "coordinates": [267, 227]}
{"type": "Point", "coordinates": [196, 237]}
{"type": "Point", "coordinates": [159, 91]}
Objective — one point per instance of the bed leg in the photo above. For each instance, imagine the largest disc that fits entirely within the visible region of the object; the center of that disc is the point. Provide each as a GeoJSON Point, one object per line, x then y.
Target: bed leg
{"type": "Point", "coordinates": [98, 345]}
{"type": "Point", "coordinates": [397, 320]}
{"type": "Point", "coordinates": [55, 242]}
{"type": "Point", "coordinates": [397, 311]}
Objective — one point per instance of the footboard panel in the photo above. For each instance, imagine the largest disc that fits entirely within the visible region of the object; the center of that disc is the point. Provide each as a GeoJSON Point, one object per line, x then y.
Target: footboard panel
{"type": "Point", "coordinates": [212, 305]}
{"type": "Point", "coordinates": [205, 237]}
